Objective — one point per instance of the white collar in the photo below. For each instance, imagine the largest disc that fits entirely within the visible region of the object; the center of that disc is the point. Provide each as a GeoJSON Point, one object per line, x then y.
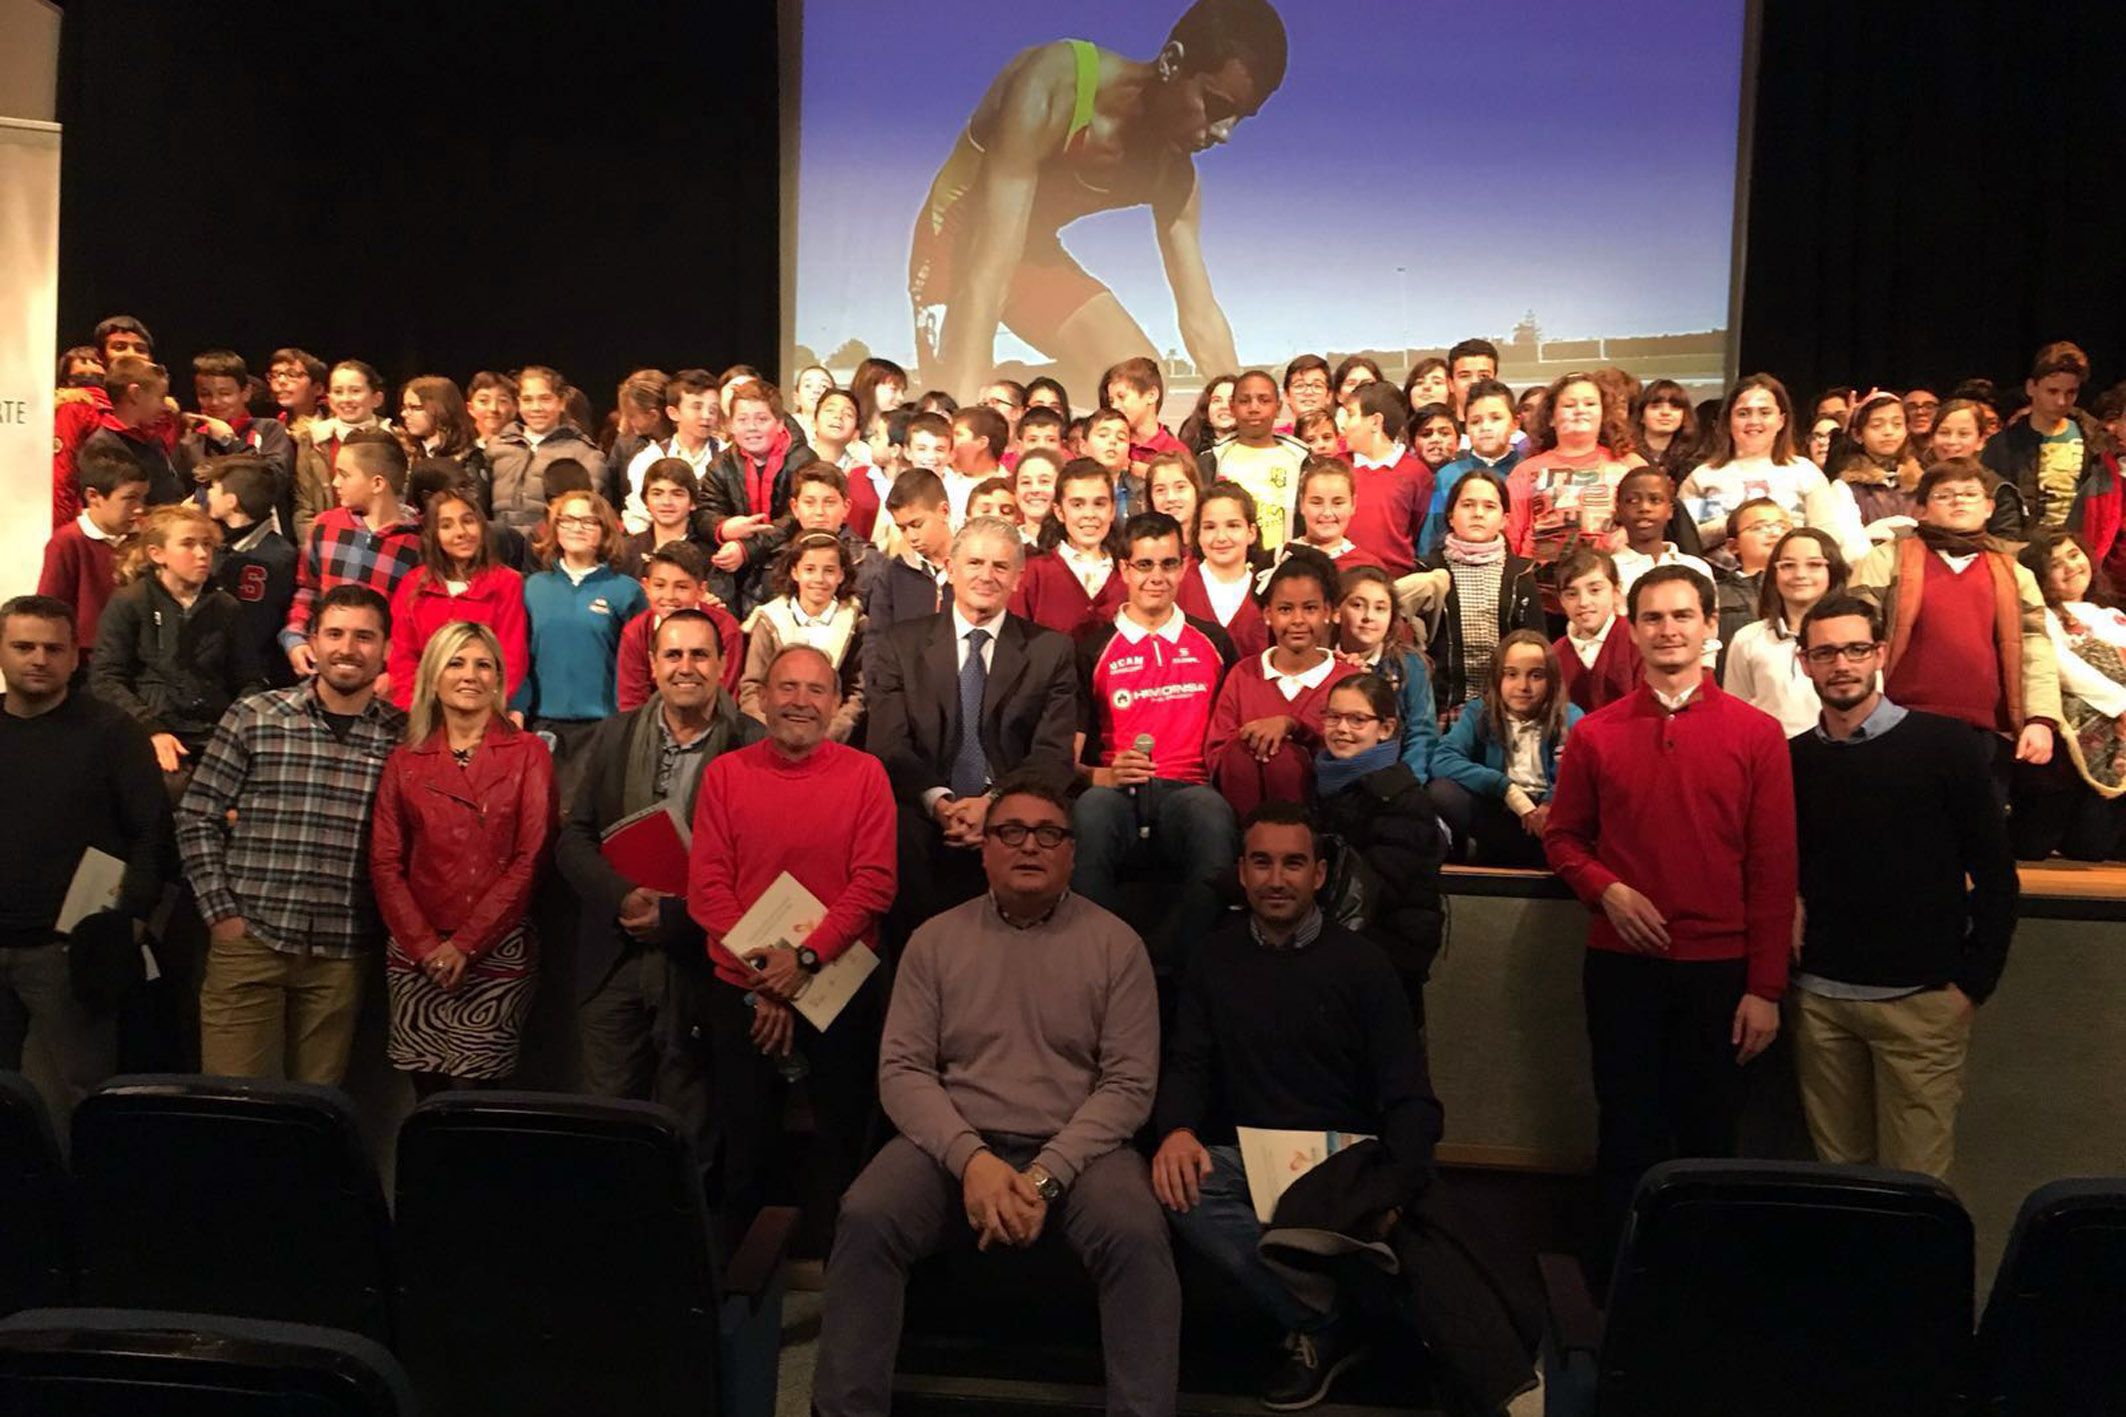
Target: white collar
{"type": "Point", "coordinates": [1341, 549]}
{"type": "Point", "coordinates": [1090, 560]}
{"type": "Point", "coordinates": [1396, 452]}
{"type": "Point", "coordinates": [1674, 702]}
{"type": "Point", "coordinates": [1599, 637]}
{"type": "Point", "coordinates": [961, 624]}
{"type": "Point", "coordinates": [1170, 631]}
{"type": "Point", "coordinates": [90, 530]}
{"type": "Point", "coordinates": [805, 621]}
{"type": "Point", "coordinates": [1309, 679]}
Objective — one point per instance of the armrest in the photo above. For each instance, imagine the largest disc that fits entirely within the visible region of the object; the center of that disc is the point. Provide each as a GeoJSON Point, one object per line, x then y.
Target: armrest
{"type": "Point", "coordinates": [1574, 1323]}
{"type": "Point", "coordinates": [760, 1254]}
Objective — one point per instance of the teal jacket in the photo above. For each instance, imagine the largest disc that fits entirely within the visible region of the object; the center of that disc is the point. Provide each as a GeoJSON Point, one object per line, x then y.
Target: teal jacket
{"type": "Point", "coordinates": [1470, 756]}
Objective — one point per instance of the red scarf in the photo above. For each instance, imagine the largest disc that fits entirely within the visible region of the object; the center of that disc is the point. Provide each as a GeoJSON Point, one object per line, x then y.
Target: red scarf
{"type": "Point", "coordinates": [760, 482]}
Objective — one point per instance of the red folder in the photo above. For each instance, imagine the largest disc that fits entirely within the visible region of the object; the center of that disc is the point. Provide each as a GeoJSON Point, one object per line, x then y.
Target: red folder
{"type": "Point", "coordinates": [648, 849]}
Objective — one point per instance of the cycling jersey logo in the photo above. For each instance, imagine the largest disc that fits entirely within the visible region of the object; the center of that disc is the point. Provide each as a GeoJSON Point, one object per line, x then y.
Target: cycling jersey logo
{"type": "Point", "coordinates": [1123, 698]}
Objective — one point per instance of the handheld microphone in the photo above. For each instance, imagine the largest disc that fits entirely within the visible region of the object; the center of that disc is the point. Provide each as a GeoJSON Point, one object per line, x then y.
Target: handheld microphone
{"type": "Point", "coordinates": [1143, 744]}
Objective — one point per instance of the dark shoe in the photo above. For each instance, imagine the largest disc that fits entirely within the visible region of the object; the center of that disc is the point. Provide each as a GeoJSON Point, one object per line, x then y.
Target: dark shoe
{"type": "Point", "coordinates": [1312, 1363]}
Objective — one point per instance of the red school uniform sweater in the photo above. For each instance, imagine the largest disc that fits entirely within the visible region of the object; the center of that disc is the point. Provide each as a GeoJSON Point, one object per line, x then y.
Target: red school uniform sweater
{"type": "Point", "coordinates": [632, 681]}
{"type": "Point", "coordinates": [1249, 634]}
{"type": "Point", "coordinates": [1616, 671]}
{"type": "Point", "coordinates": [1695, 811]}
{"type": "Point", "coordinates": [1951, 665]}
{"type": "Point", "coordinates": [828, 821]}
{"type": "Point", "coordinates": [81, 570]}
{"type": "Point", "coordinates": [1246, 695]}
{"type": "Point", "coordinates": [1051, 595]}
{"type": "Point", "coordinates": [1392, 501]}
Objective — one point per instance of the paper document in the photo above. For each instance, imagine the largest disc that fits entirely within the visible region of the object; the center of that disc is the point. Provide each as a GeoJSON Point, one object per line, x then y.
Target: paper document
{"type": "Point", "coordinates": [772, 924]}
{"type": "Point", "coordinates": [95, 887]}
{"type": "Point", "coordinates": [1275, 1159]}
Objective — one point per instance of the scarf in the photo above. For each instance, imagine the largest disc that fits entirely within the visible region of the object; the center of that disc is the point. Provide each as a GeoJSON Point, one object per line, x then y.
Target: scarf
{"type": "Point", "coordinates": [759, 478]}
{"type": "Point", "coordinates": [1333, 774]}
{"type": "Point", "coordinates": [1475, 553]}
{"type": "Point", "coordinates": [645, 744]}
{"type": "Point", "coordinates": [1955, 543]}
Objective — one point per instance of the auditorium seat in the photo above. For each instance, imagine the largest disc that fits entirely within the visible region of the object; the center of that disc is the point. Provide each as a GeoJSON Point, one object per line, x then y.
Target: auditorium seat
{"type": "Point", "coordinates": [2049, 1342]}
{"type": "Point", "coordinates": [554, 1260]}
{"type": "Point", "coordinates": [36, 1247]}
{"type": "Point", "coordinates": [142, 1363]}
{"type": "Point", "coordinates": [232, 1196]}
{"type": "Point", "coordinates": [1769, 1289]}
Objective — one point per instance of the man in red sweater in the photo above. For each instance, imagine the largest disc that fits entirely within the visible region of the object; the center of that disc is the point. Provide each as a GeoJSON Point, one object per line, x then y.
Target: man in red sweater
{"type": "Point", "coordinates": [823, 813]}
{"type": "Point", "coordinates": [1673, 820]}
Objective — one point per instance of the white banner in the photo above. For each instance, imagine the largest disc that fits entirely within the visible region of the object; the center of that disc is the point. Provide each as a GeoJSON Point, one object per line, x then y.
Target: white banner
{"type": "Point", "coordinates": [29, 320]}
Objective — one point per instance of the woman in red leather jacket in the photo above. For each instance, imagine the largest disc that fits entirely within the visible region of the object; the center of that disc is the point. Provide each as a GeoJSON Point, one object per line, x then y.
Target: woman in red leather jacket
{"type": "Point", "coordinates": [465, 812]}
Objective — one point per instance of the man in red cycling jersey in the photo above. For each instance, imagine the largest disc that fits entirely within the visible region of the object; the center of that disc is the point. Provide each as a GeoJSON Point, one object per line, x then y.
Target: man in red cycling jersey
{"type": "Point", "coordinates": [1065, 130]}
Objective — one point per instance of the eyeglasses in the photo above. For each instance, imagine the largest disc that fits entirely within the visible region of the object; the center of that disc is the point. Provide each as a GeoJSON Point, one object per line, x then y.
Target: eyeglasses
{"type": "Point", "coordinates": [577, 523]}
{"type": "Point", "coordinates": [1859, 653]}
{"type": "Point", "coordinates": [1169, 564]}
{"type": "Point", "coordinates": [1317, 386]}
{"type": "Point", "coordinates": [1764, 529]}
{"type": "Point", "coordinates": [1000, 405]}
{"type": "Point", "coordinates": [1922, 403]}
{"type": "Point", "coordinates": [1048, 834]}
{"type": "Point", "coordinates": [1333, 719]}
{"type": "Point", "coordinates": [1946, 496]}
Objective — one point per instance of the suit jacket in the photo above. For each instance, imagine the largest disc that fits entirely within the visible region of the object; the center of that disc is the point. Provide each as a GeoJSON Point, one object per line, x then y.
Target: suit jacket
{"type": "Point", "coordinates": [1029, 710]}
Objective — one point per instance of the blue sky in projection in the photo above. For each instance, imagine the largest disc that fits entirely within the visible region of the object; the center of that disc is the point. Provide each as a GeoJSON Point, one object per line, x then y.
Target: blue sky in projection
{"type": "Point", "coordinates": [1549, 155]}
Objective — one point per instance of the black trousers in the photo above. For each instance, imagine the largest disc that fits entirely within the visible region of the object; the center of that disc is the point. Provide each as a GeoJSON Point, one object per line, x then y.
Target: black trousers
{"type": "Point", "coordinates": [749, 1092]}
{"type": "Point", "coordinates": [1665, 1077]}
{"type": "Point", "coordinates": [2052, 809]}
{"type": "Point", "coordinates": [1486, 833]}
{"type": "Point", "coordinates": [934, 877]}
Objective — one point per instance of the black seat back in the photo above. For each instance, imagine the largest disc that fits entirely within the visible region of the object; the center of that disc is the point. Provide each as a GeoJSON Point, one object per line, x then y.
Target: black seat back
{"type": "Point", "coordinates": [553, 1257]}
{"type": "Point", "coordinates": [1771, 1289]}
{"type": "Point", "coordinates": [231, 1196]}
{"type": "Point", "coordinates": [36, 1225]}
{"type": "Point", "coordinates": [2050, 1339]}
{"type": "Point", "coordinates": [128, 1363]}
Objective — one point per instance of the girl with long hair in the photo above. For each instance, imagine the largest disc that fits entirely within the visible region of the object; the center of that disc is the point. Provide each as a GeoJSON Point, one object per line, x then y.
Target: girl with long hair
{"type": "Point", "coordinates": [459, 579]}
{"type": "Point", "coordinates": [1753, 454]}
{"type": "Point", "coordinates": [1875, 461]}
{"type": "Point", "coordinates": [812, 601]}
{"type": "Point", "coordinates": [1212, 418]}
{"type": "Point", "coordinates": [1763, 662]}
{"type": "Point", "coordinates": [1565, 490]}
{"type": "Point", "coordinates": [1073, 579]}
{"type": "Point", "coordinates": [1372, 635]}
{"type": "Point", "coordinates": [1474, 593]}
{"type": "Point", "coordinates": [1664, 428]}
{"type": "Point", "coordinates": [1220, 585]}
{"type": "Point", "coordinates": [2072, 805]}
{"type": "Point", "coordinates": [1493, 773]}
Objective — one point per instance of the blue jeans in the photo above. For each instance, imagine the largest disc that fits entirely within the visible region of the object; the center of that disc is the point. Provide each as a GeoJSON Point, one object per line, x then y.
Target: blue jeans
{"type": "Point", "coordinates": [1223, 1229]}
{"type": "Point", "coordinates": [1192, 828]}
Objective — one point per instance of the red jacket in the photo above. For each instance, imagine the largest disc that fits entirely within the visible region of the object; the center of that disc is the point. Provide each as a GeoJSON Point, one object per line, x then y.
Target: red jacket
{"type": "Point", "coordinates": [1616, 671]}
{"type": "Point", "coordinates": [420, 607]}
{"type": "Point", "coordinates": [456, 851]}
{"type": "Point", "coordinates": [633, 682]}
{"type": "Point", "coordinates": [1695, 811]}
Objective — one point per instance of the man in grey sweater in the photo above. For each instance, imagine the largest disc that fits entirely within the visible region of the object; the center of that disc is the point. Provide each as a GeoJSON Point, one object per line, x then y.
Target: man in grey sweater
{"type": "Point", "coordinates": [1020, 1054]}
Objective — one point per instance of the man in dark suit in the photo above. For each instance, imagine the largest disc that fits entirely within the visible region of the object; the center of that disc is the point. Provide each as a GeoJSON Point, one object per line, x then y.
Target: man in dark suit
{"type": "Point", "coordinates": [642, 966]}
{"type": "Point", "coordinates": [923, 676]}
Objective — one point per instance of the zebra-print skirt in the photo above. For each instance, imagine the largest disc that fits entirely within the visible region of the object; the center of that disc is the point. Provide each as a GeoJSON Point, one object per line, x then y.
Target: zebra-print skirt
{"type": "Point", "coordinates": [472, 1031]}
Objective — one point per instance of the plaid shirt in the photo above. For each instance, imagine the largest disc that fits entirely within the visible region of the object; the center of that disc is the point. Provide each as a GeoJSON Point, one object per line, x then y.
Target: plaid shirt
{"type": "Point", "coordinates": [341, 549]}
{"type": "Point", "coordinates": [295, 863]}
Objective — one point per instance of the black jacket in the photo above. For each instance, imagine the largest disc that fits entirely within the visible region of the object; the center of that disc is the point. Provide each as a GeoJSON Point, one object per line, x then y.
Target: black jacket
{"type": "Point", "coordinates": [174, 672]}
{"type": "Point", "coordinates": [164, 485]}
{"type": "Point", "coordinates": [1386, 817]}
{"type": "Point", "coordinates": [267, 438]}
{"type": "Point", "coordinates": [260, 575]}
{"type": "Point", "coordinates": [2012, 456]}
{"type": "Point", "coordinates": [598, 804]}
{"type": "Point", "coordinates": [1520, 608]}
{"type": "Point", "coordinates": [722, 494]}
{"type": "Point", "coordinates": [1029, 707]}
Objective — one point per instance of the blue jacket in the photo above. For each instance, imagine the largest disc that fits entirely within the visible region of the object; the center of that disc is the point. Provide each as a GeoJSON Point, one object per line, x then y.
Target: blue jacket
{"type": "Point", "coordinates": [1414, 706]}
{"type": "Point", "coordinates": [1470, 756]}
{"type": "Point", "coordinates": [575, 642]}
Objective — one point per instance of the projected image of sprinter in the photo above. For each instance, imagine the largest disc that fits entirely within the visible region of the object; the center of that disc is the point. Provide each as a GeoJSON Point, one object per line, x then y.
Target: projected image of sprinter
{"type": "Point", "coordinates": [1065, 130]}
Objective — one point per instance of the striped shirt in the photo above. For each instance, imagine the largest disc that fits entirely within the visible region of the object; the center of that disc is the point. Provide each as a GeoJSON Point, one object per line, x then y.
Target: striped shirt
{"type": "Point", "coordinates": [295, 863]}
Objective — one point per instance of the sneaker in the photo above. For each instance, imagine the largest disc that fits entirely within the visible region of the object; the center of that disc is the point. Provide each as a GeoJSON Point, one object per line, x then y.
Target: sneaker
{"type": "Point", "coordinates": [1313, 1362]}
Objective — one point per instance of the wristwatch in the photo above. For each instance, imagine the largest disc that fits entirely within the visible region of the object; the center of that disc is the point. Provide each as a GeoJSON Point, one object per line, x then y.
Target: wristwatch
{"type": "Point", "coordinates": [1050, 1188]}
{"type": "Point", "coordinates": [808, 959]}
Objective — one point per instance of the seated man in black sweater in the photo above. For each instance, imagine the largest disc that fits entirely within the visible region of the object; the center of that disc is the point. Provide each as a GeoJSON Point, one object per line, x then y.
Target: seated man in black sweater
{"type": "Point", "coordinates": [1897, 953]}
{"type": "Point", "coordinates": [1286, 1022]}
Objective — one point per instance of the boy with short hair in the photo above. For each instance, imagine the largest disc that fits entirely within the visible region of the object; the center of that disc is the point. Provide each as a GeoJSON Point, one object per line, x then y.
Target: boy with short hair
{"type": "Point", "coordinates": [668, 492]}
{"type": "Point", "coordinates": [675, 576]}
{"type": "Point", "coordinates": [1393, 486]}
{"type": "Point", "coordinates": [1107, 439]}
{"type": "Point", "coordinates": [1753, 529]}
{"type": "Point", "coordinates": [1646, 503]}
{"type": "Point", "coordinates": [979, 436]}
{"type": "Point", "coordinates": [1259, 458]}
{"type": "Point", "coordinates": [2052, 460]}
{"type": "Point", "coordinates": [80, 562]}
{"type": "Point", "coordinates": [1469, 363]}
{"type": "Point", "coordinates": [1135, 388]}
{"type": "Point", "coordinates": [139, 423]}
{"type": "Point", "coordinates": [929, 442]}
{"type": "Point", "coordinates": [1490, 421]}
{"type": "Point", "coordinates": [819, 501]}
{"type": "Point", "coordinates": [1306, 389]}
{"type": "Point", "coordinates": [224, 426]}
{"type": "Point", "coordinates": [371, 538]}
{"type": "Point", "coordinates": [254, 563]}
{"type": "Point", "coordinates": [690, 403]}
{"type": "Point", "coordinates": [1041, 427]}
{"type": "Point", "coordinates": [297, 378]}
{"type": "Point", "coordinates": [993, 497]}
{"type": "Point", "coordinates": [914, 583]}
{"type": "Point", "coordinates": [1598, 662]}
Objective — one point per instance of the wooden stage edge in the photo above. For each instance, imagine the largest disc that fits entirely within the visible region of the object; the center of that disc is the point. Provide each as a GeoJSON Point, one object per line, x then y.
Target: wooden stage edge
{"type": "Point", "coordinates": [2052, 890]}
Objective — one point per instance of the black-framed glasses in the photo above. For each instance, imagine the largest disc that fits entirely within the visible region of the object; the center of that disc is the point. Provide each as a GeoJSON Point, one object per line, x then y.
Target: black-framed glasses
{"type": "Point", "coordinates": [1332, 719]}
{"type": "Point", "coordinates": [1145, 567]}
{"type": "Point", "coordinates": [1859, 652]}
{"type": "Point", "coordinates": [1048, 834]}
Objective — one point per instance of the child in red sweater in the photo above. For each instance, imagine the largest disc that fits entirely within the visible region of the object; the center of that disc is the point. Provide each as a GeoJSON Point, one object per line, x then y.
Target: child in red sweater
{"type": "Point", "coordinates": [1073, 583]}
{"type": "Point", "coordinates": [675, 577]}
{"type": "Point", "coordinates": [1597, 661]}
{"type": "Point", "coordinates": [80, 561]}
{"type": "Point", "coordinates": [1328, 499]}
{"type": "Point", "coordinates": [1266, 725]}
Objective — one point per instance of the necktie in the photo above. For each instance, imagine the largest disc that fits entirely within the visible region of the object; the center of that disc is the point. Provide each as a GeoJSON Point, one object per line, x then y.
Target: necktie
{"type": "Point", "coordinates": [970, 769]}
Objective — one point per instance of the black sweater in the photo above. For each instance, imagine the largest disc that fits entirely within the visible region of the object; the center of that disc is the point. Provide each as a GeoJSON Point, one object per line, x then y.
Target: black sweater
{"type": "Point", "coordinates": [1317, 1039]}
{"type": "Point", "coordinates": [81, 775]}
{"type": "Point", "coordinates": [1889, 829]}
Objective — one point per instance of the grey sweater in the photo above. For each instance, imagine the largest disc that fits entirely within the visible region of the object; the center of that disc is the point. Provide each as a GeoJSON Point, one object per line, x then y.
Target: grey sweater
{"type": "Point", "coordinates": [1051, 1031]}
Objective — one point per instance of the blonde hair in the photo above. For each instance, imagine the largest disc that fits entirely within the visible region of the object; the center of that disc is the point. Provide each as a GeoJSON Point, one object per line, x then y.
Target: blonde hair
{"type": "Point", "coordinates": [156, 531]}
{"type": "Point", "coordinates": [425, 716]}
